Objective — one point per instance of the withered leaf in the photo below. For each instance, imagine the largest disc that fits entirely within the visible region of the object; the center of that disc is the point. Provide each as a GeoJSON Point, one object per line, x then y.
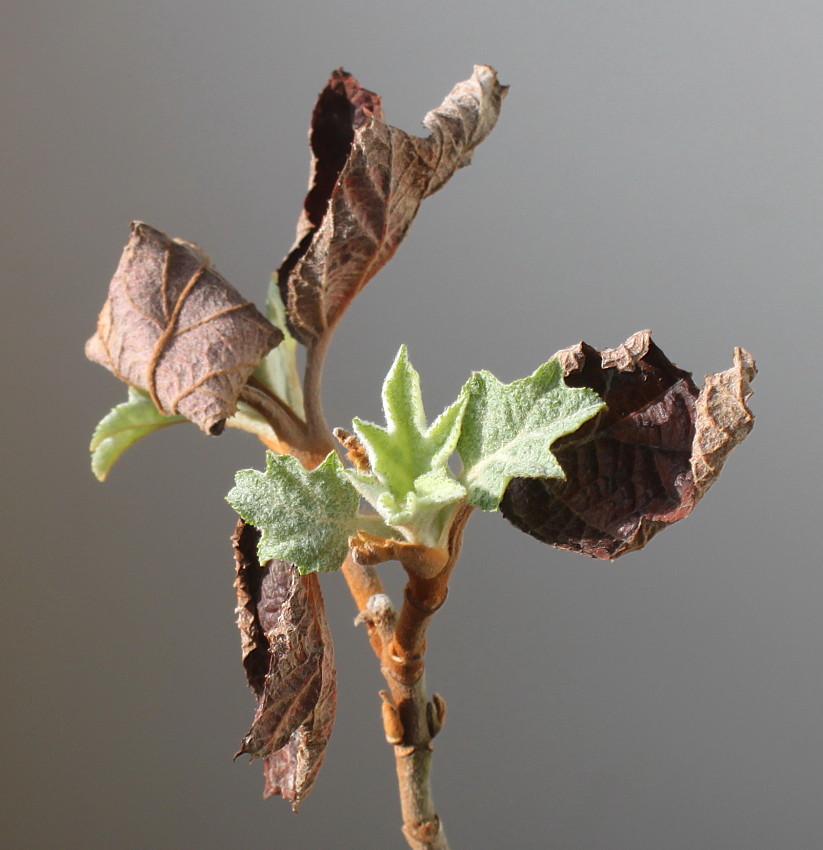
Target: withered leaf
{"type": "Point", "coordinates": [174, 327]}
{"type": "Point", "coordinates": [289, 662]}
{"type": "Point", "coordinates": [723, 419]}
{"type": "Point", "coordinates": [342, 107]}
{"type": "Point", "coordinates": [292, 770]}
{"type": "Point", "coordinates": [376, 193]}
{"type": "Point", "coordinates": [641, 464]}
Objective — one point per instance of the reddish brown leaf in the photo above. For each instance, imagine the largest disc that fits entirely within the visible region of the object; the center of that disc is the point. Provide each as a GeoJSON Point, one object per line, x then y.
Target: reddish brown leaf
{"type": "Point", "coordinates": [174, 327]}
{"type": "Point", "coordinates": [291, 771]}
{"type": "Point", "coordinates": [386, 175]}
{"type": "Point", "coordinates": [629, 471]}
{"type": "Point", "coordinates": [342, 107]}
{"type": "Point", "coordinates": [289, 662]}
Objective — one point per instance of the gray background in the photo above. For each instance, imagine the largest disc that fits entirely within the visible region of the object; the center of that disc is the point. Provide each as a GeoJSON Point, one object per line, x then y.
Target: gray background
{"type": "Point", "coordinates": [657, 164]}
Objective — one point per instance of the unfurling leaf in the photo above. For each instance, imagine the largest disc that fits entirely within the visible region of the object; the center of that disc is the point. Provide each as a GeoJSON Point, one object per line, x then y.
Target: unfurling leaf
{"type": "Point", "coordinates": [123, 426]}
{"type": "Point", "coordinates": [409, 483]}
{"type": "Point", "coordinates": [305, 516]}
{"type": "Point", "coordinates": [289, 661]}
{"type": "Point", "coordinates": [172, 326]}
{"type": "Point", "coordinates": [362, 203]}
{"type": "Point", "coordinates": [630, 472]}
{"type": "Point", "coordinates": [508, 429]}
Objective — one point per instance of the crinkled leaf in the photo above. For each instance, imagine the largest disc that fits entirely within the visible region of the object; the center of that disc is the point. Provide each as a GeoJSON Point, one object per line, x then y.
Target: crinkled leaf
{"type": "Point", "coordinates": [508, 429]}
{"type": "Point", "coordinates": [172, 326]}
{"type": "Point", "coordinates": [289, 661]}
{"type": "Point", "coordinates": [723, 419]}
{"type": "Point", "coordinates": [292, 770]}
{"type": "Point", "coordinates": [410, 484]}
{"type": "Point", "coordinates": [628, 473]}
{"type": "Point", "coordinates": [305, 516]}
{"type": "Point", "coordinates": [376, 194]}
{"type": "Point", "coordinates": [342, 107]}
{"type": "Point", "coordinates": [123, 426]}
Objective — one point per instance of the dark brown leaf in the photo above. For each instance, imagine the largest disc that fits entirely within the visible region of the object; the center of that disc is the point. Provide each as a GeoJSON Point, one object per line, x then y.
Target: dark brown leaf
{"type": "Point", "coordinates": [386, 175]}
{"type": "Point", "coordinates": [342, 107]}
{"type": "Point", "coordinates": [629, 471]}
{"type": "Point", "coordinates": [174, 327]}
{"type": "Point", "coordinates": [289, 662]}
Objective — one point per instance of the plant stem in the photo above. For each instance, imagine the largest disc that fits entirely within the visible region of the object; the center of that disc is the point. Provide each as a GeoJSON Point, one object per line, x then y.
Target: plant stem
{"type": "Point", "coordinates": [317, 427]}
{"type": "Point", "coordinates": [411, 719]}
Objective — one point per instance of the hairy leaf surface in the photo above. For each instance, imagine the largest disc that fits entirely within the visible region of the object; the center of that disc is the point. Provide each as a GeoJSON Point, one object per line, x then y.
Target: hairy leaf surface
{"type": "Point", "coordinates": [305, 516]}
{"type": "Point", "coordinates": [409, 483]}
{"type": "Point", "coordinates": [508, 429]}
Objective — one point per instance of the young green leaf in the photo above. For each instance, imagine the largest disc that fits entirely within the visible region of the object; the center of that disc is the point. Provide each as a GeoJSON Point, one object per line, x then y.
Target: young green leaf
{"type": "Point", "coordinates": [410, 484]}
{"type": "Point", "coordinates": [278, 369]}
{"type": "Point", "coordinates": [509, 428]}
{"type": "Point", "coordinates": [304, 516]}
{"type": "Point", "coordinates": [123, 426]}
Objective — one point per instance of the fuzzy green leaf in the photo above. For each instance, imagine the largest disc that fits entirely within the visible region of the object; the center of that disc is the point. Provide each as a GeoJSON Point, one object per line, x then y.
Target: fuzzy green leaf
{"type": "Point", "coordinates": [509, 428]}
{"type": "Point", "coordinates": [304, 516]}
{"type": "Point", "coordinates": [123, 426]}
{"type": "Point", "coordinates": [410, 484]}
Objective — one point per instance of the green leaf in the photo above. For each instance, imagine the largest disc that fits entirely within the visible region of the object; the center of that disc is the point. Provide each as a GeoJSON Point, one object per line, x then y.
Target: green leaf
{"type": "Point", "coordinates": [410, 484]}
{"type": "Point", "coordinates": [509, 428]}
{"type": "Point", "coordinates": [123, 426]}
{"type": "Point", "coordinates": [305, 516]}
{"type": "Point", "coordinates": [278, 369]}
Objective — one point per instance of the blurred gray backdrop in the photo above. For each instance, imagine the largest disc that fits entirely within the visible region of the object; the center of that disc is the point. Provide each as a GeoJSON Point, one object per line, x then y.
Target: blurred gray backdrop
{"type": "Point", "coordinates": [657, 164]}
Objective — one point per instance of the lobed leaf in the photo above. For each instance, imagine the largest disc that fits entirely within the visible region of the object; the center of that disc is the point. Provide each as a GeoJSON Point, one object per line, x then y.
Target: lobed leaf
{"type": "Point", "coordinates": [508, 429]}
{"type": "Point", "coordinates": [408, 481]}
{"type": "Point", "coordinates": [172, 326]}
{"type": "Point", "coordinates": [305, 516]}
{"type": "Point", "coordinates": [352, 225]}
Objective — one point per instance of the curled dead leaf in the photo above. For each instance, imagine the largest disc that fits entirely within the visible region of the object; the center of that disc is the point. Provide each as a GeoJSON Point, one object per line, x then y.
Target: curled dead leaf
{"type": "Point", "coordinates": [723, 419]}
{"type": "Point", "coordinates": [376, 191]}
{"type": "Point", "coordinates": [289, 661]}
{"type": "Point", "coordinates": [174, 327]}
{"type": "Point", "coordinates": [641, 464]}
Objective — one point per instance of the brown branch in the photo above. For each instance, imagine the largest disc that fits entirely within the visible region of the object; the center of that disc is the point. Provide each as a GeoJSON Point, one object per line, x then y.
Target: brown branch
{"type": "Point", "coordinates": [410, 719]}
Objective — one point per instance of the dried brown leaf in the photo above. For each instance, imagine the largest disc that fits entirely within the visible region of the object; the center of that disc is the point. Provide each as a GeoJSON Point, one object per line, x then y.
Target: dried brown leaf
{"type": "Point", "coordinates": [723, 419]}
{"type": "Point", "coordinates": [289, 661]}
{"type": "Point", "coordinates": [386, 175]}
{"type": "Point", "coordinates": [342, 107]}
{"type": "Point", "coordinates": [292, 770]}
{"type": "Point", "coordinates": [176, 328]}
{"type": "Point", "coordinates": [629, 471]}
